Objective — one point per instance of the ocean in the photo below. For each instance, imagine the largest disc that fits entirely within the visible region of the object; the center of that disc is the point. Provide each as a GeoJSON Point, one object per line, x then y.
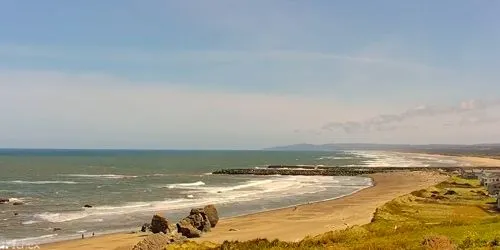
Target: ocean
{"type": "Point", "coordinates": [126, 187]}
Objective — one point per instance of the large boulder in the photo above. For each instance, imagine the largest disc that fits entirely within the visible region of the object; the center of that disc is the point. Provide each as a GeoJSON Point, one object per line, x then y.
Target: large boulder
{"type": "Point", "coordinates": [212, 214]}
{"type": "Point", "coordinates": [158, 241]}
{"type": "Point", "coordinates": [185, 228]}
{"type": "Point", "coordinates": [159, 224]}
{"type": "Point", "coordinates": [4, 200]}
{"type": "Point", "coordinates": [199, 219]}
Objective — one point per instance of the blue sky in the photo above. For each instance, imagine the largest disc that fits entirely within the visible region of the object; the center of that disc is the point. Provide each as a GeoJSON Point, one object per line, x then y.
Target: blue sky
{"type": "Point", "coordinates": [247, 74]}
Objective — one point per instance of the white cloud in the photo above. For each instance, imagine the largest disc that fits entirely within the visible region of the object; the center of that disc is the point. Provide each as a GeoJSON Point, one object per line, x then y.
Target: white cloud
{"type": "Point", "coordinates": [467, 111]}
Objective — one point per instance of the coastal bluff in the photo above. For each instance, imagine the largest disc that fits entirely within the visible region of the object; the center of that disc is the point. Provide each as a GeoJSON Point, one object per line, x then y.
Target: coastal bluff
{"type": "Point", "coordinates": [326, 171]}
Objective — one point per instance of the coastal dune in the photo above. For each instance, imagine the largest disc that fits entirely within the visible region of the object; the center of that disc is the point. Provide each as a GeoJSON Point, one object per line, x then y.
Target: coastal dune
{"type": "Point", "coordinates": [290, 224]}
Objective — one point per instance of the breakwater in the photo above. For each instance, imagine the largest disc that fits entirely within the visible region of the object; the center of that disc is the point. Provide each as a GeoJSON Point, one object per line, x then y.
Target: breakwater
{"type": "Point", "coordinates": [326, 171]}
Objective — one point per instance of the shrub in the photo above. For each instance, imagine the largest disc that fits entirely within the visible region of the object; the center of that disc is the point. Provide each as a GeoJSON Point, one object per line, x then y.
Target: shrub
{"type": "Point", "coordinates": [437, 242]}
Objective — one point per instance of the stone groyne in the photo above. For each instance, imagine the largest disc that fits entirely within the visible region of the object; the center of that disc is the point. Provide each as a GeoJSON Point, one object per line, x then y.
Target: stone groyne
{"type": "Point", "coordinates": [327, 171]}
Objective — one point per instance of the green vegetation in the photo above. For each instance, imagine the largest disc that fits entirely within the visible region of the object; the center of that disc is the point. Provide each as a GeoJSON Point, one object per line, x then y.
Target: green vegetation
{"type": "Point", "coordinates": [455, 214]}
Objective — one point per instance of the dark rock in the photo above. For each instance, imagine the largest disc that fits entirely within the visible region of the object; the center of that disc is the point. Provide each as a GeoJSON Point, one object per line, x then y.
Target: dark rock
{"type": "Point", "coordinates": [233, 230]}
{"type": "Point", "coordinates": [185, 228]}
{"type": "Point", "coordinates": [17, 203]}
{"type": "Point", "coordinates": [4, 200]}
{"type": "Point", "coordinates": [16, 213]}
{"type": "Point", "coordinates": [159, 224]}
{"type": "Point", "coordinates": [212, 214]}
{"type": "Point", "coordinates": [87, 206]}
{"type": "Point", "coordinates": [158, 241]}
{"type": "Point", "coordinates": [56, 229]}
{"type": "Point", "coordinates": [146, 227]}
{"type": "Point", "coordinates": [450, 192]}
{"type": "Point", "coordinates": [327, 171]}
{"type": "Point", "coordinates": [199, 219]}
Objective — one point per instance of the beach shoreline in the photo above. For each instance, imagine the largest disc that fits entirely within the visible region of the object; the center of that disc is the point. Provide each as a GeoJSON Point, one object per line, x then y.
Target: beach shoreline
{"type": "Point", "coordinates": [385, 187]}
{"type": "Point", "coordinates": [290, 223]}
{"type": "Point", "coordinates": [469, 161]}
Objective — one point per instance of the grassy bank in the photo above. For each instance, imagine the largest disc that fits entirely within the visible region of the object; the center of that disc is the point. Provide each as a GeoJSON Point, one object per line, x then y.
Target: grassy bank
{"type": "Point", "coordinates": [455, 214]}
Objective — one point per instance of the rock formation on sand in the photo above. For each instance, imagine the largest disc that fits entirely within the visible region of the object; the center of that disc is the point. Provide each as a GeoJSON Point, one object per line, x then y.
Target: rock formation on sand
{"type": "Point", "coordinates": [158, 241]}
{"type": "Point", "coordinates": [4, 200]}
{"type": "Point", "coordinates": [212, 214]}
{"type": "Point", "coordinates": [146, 227]}
{"type": "Point", "coordinates": [159, 224]}
{"type": "Point", "coordinates": [187, 229]}
{"type": "Point", "coordinates": [198, 221]}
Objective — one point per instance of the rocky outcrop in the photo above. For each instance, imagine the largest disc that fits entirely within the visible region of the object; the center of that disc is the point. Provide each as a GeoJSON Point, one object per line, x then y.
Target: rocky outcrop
{"type": "Point", "coordinates": [199, 219]}
{"type": "Point", "coordinates": [159, 224]}
{"type": "Point", "coordinates": [212, 215]}
{"type": "Point", "coordinates": [326, 171]}
{"type": "Point", "coordinates": [17, 203]}
{"type": "Point", "coordinates": [158, 241]}
{"type": "Point", "coordinates": [4, 200]}
{"type": "Point", "coordinates": [146, 227]}
{"type": "Point", "coordinates": [185, 228]}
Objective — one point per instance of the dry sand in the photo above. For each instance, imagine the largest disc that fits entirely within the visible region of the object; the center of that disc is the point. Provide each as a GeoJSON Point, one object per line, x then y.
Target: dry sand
{"type": "Point", "coordinates": [289, 224]}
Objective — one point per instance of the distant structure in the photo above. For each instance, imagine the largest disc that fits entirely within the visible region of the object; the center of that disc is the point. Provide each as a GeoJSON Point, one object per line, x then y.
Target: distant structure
{"type": "Point", "coordinates": [489, 177]}
{"type": "Point", "coordinates": [494, 188]}
{"type": "Point", "coordinates": [470, 174]}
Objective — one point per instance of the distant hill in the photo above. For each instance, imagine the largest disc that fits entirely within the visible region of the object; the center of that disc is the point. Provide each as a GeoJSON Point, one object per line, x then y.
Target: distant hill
{"type": "Point", "coordinates": [400, 147]}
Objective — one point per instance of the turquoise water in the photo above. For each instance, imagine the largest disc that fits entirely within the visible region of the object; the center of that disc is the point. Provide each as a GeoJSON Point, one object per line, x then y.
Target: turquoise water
{"type": "Point", "coordinates": [125, 187]}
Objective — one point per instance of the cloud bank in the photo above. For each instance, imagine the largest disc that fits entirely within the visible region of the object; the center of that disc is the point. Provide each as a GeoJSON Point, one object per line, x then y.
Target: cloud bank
{"type": "Point", "coordinates": [390, 122]}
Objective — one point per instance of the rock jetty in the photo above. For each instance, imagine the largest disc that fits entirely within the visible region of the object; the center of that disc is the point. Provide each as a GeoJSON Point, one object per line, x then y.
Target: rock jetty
{"type": "Point", "coordinates": [326, 171]}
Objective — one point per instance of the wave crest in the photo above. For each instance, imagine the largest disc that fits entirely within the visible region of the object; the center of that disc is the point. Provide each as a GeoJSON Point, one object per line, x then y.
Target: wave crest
{"type": "Point", "coordinates": [186, 185]}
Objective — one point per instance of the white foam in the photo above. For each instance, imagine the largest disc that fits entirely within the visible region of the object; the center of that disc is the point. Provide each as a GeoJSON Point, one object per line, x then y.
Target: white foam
{"type": "Point", "coordinates": [26, 242]}
{"type": "Point", "coordinates": [29, 222]}
{"type": "Point", "coordinates": [101, 176]}
{"type": "Point", "coordinates": [11, 200]}
{"type": "Point", "coordinates": [242, 186]}
{"type": "Point", "coordinates": [184, 185]}
{"type": "Point", "coordinates": [335, 158]}
{"type": "Point", "coordinates": [265, 187]}
{"type": "Point", "coordinates": [61, 217]}
{"type": "Point", "coordinates": [389, 159]}
{"type": "Point", "coordinates": [39, 182]}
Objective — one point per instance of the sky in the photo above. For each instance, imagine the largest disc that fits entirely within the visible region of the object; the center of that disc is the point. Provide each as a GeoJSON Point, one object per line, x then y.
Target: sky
{"type": "Point", "coordinates": [225, 74]}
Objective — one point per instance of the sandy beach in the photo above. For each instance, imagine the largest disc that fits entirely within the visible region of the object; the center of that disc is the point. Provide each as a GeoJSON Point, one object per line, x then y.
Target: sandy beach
{"type": "Point", "coordinates": [290, 224]}
{"type": "Point", "coordinates": [472, 161]}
